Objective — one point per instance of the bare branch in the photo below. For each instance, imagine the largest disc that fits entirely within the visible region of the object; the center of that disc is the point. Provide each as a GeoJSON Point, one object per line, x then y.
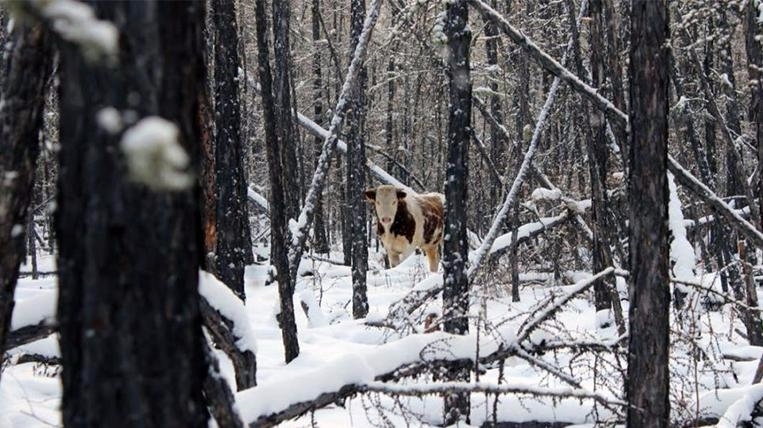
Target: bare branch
{"type": "Point", "coordinates": [709, 197]}
{"type": "Point", "coordinates": [550, 64]}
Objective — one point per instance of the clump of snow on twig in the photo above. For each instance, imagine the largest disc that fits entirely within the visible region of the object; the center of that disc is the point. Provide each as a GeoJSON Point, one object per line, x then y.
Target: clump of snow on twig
{"type": "Point", "coordinates": [75, 22]}
{"type": "Point", "coordinates": [681, 250]}
{"type": "Point", "coordinates": [543, 194]}
{"type": "Point", "coordinates": [154, 156]}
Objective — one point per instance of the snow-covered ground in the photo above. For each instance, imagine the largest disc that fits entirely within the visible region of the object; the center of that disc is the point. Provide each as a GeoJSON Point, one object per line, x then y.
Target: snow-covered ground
{"type": "Point", "coordinates": [336, 350]}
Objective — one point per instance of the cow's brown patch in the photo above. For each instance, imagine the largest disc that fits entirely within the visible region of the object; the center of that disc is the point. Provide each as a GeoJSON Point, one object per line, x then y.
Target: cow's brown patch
{"type": "Point", "coordinates": [432, 210]}
{"type": "Point", "coordinates": [404, 224]}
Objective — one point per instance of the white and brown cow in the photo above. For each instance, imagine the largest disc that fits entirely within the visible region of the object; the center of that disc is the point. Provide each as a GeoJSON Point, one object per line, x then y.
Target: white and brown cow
{"type": "Point", "coordinates": [406, 221]}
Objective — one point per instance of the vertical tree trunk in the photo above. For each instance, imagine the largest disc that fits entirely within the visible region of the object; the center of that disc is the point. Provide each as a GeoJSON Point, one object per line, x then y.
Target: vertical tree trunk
{"type": "Point", "coordinates": [754, 64]}
{"type": "Point", "coordinates": [130, 327]}
{"type": "Point", "coordinates": [278, 213]}
{"type": "Point", "coordinates": [647, 385]}
{"type": "Point", "coordinates": [455, 252]}
{"type": "Point", "coordinates": [356, 172]}
{"type": "Point", "coordinates": [233, 243]}
{"type": "Point", "coordinates": [597, 165]}
{"type": "Point", "coordinates": [320, 240]}
{"type": "Point", "coordinates": [497, 140]}
{"type": "Point", "coordinates": [26, 66]}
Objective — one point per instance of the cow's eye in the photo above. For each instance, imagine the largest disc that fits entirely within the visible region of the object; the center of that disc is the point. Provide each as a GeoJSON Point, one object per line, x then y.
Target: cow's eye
{"type": "Point", "coordinates": [394, 202]}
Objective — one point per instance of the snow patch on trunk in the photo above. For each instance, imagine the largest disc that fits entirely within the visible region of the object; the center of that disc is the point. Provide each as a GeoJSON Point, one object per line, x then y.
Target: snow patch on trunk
{"type": "Point", "coordinates": [154, 155]}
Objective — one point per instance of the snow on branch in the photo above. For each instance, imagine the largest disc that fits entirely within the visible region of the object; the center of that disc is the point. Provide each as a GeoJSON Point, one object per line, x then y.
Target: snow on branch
{"type": "Point", "coordinates": [482, 252]}
{"type": "Point", "coordinates": [489, 388]}
{"type": "Point", "coordinates": [722, 208]}
{"type": "Point", "coordinates": [272, 403]}
{"type": "Point", "coordinates": [76, 23]}
{"type": "Point", "coordinates": [530, 325]}
{"type": "Point", "coordinates": [299, 228]}
{"type": "Point", "coordinates": [226, 319]}
{"type": "Point", "coordinates": [257, 198]}
{"type": "Point", "coordinates": [154, 156]}
{"type": "Point", "coordinates": [681, 250]}
{"type": "Point", "coordinates": [318, 131]}
{"type": "Point", "coordinates": [550, 64]}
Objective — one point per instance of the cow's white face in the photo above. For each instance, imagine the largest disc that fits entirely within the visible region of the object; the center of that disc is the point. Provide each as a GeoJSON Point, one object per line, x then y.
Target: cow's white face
{"type": "Point", "coordinates": [385, 199]}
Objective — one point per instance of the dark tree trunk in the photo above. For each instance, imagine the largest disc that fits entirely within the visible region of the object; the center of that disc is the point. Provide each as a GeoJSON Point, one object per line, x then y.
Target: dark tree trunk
{"type": "Point", "coordinates": [233, 249]}
{"type": "Point", "coordinates": [320, 239]}
{"type": "Point", "coordinates": [498, 143]}
{"type": "Point", "coordinates": [282, 96]}
{"type": "Point", "coordinates": [356, 172]}
{"type": "Point", "coordinates": [455, 251]}
{"type": "Point", "coordinates": [26, 65]}
{"type": "Point", "coordinates": [128, 310]}
{"type": "Point", "coordinates": [647, 385]}
{"type": "Point", "coordinates": [278, 215]}
{"type": "Point", "coordinates": [754, 64]}
{"type": "Point", "coordinates": [597, 165]}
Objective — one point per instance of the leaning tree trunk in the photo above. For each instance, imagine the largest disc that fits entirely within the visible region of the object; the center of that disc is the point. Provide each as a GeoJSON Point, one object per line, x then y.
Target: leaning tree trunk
{"type": "Point", "coordinates": [455, 251]}
{"type": "Point", "coordinates": [233, 247]}
{"type": "Point", "coordinates": [356, 173]}
{"type": "Point", "coordinates": [647, 385]}
{"type": "Point", "coordinates": [130, 328]}
{"type": "Point", "coordinates": [26, 66]}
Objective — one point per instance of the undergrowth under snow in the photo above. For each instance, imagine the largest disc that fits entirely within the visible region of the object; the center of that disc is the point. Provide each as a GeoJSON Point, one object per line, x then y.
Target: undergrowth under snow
{"type": "Point", "coordinates": [337, 350]}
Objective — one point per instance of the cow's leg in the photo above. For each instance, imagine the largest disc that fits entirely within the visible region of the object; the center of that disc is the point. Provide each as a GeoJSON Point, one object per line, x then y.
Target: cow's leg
{"type": "Point", "coordinates": [407, 253]}
{"type": "Point", "coordinates": [394, 258]}
{"type": "Point", "coordinates": [433, 257]}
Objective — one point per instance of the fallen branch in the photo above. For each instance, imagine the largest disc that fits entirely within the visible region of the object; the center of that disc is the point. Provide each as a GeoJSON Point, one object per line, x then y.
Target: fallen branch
{"type": "Point", "coordinates": [299, 228]}
{"type": "Point", "coordinates": [719, 206]}
{"type": "Point", "coordinates": [29, 334]}
{"type": "Point", "coordinates": [550, 64]}
{"type": "Point", "coordinates": [218, 394]}
{"type": "Point", "coordinates": [225, 318]}
{"type": "Point", "coordinates": [488, 388]}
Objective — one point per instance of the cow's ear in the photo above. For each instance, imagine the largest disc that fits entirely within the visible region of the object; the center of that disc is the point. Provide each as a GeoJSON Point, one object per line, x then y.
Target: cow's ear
{"type": "Point", "coordinates": [400, 194]}
{"type": "Point", "coordinates": [370, 195]}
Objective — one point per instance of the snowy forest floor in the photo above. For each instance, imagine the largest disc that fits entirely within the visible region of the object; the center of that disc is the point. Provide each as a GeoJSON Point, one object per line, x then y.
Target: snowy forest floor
{"type": "Point", "coordinates": [711, 363]}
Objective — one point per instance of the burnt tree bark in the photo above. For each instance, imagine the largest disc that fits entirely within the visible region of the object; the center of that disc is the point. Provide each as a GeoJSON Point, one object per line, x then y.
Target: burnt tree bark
{"type": "Point", "coordinates": [320, 238]}
{"type": "Point", "coordinates": [356, 172]}
{"type": "Point", "coordinates": [233, 249]}
{"type": "Point", "coordinates": [26, 66]}
{"type": "Point", "coordinates": [130, 327]}
{"type": "Point", "coordinates": [754, 64]}
{"type": "Point", "coordinates": [276, 172]}
{"type": "Point", "coordinates": [598, 156]}
{"type": "Point", "coordinates": [647, 384]}
{"type": "Point", "coordinates": [455, 250]}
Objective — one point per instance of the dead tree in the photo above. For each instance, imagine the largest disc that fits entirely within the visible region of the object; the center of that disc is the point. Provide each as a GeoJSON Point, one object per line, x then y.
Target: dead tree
{"type": "Point", "coordinates": [278, 213]}
{"type": "Point", "coordinates": [130, 328]}
{"type": "Point", "coordinates": [647, 385]}
{"type": "Point", "coordinates": [455, 249]}
{"type": "Point", "coordinates": [356, 174]}
{"type": "Point", "coordinates": [26, 66]}
{"type": "Point", "coordinates": [233, 249]}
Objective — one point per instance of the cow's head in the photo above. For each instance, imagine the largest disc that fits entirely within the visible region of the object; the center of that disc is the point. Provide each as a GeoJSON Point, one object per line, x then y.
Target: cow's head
{"type": "Point", "coordinates": [385, 198]}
